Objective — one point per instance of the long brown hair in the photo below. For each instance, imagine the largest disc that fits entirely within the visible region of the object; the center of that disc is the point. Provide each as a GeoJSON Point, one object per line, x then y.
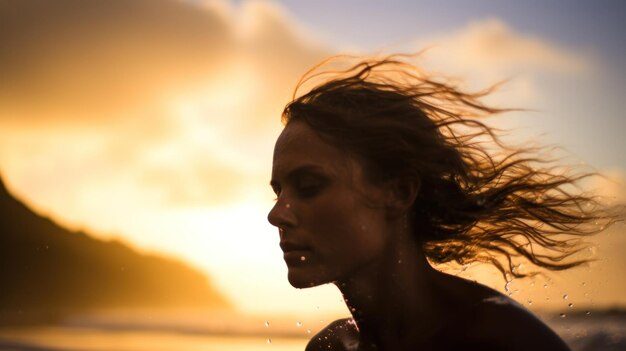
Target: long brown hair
{"type": "Point", "coordinates": [479, 200]}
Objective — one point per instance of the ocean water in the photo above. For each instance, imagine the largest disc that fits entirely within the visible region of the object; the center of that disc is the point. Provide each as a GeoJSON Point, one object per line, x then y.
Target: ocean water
{"type": "Point", "coordinates": [592, 331]}
{"type": "Point", "coordinates": [74, 339]}
{"type": "Point", "coordinates": [583, 332]}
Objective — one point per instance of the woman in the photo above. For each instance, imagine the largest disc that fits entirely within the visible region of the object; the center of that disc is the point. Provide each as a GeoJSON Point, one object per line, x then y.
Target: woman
{"type": "Point", "coordinates": [380, 172]}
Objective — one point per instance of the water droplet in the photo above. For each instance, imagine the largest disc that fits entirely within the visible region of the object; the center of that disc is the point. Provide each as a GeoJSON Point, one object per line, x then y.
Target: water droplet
{"type": "Point", "coordinates": [583, 283]}
{"type": "Point", "coordinates": [530, 302]}
{"type": "Point", "coordinates": [516, 268]}
{"type": "Point", "coordinates": [298, 324]}
{"type": "Point", "coordinates": [267, 324]}
{"type": "Point", "coordinates": [545, 286]}
{"type": "Point", "coordinates": [399, 261]}
{"type": "Point", "coordinates": [288, 205]}
{"type": "Point", "coordinates": [588, 312]}
{"type": "Point", "coordinates": [565, 296]}
{"type": "Point", "coordinates": [269, 341]}
{"type": "Point", "coordinates": [562, 315]}
{"type": "Point", "coordinates": [570, 305]}
{"type": "Point", "coordinates": [302, 258]}
{"type": "Point", "coordinates": [308, 331]}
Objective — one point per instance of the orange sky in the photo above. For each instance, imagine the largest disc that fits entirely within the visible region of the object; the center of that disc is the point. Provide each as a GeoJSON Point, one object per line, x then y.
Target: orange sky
{"type": "Point", "coordinates": [156, 124]}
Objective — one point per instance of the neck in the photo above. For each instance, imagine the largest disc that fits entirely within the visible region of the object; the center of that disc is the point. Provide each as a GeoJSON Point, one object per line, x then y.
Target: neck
{"type": "Point", "coordinates": [394, 300]}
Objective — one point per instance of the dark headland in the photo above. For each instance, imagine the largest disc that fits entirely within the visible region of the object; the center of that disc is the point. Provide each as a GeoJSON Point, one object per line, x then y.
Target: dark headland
{"type": "Point", "coordinates": [47, 271]}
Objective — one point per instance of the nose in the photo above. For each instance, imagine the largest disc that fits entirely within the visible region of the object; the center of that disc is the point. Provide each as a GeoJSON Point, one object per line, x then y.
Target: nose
{"type": "Point", "coordinates": [282, 215]}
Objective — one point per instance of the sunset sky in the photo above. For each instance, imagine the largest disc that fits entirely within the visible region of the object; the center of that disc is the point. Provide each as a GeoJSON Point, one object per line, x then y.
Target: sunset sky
{"type": "Point", "coordinates": [154, 121]}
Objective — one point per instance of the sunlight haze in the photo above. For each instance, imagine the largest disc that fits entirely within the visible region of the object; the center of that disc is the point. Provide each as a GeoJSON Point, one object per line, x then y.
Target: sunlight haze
{"type": "Point", "coordinates": [157, 127]}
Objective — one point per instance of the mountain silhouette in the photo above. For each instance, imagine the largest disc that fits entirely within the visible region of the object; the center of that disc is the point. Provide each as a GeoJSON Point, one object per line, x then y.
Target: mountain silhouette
{"type": "Point", "coordinates": [46, 269]}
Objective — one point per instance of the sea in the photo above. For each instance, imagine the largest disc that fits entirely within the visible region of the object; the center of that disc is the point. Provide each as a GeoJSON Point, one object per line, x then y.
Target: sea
{"type": "Point", "coordinates": [585, 331]}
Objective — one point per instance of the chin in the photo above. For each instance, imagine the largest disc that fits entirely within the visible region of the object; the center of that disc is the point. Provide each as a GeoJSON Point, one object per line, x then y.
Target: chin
{"type": "Point", "coordinates": [300, 280]}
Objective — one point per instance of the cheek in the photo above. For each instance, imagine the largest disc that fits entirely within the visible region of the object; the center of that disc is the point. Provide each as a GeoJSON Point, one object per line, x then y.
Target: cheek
{"type": "Point", "coordinates": [331, 219]}
{"type": "Point", "coordinates": [346, 233]}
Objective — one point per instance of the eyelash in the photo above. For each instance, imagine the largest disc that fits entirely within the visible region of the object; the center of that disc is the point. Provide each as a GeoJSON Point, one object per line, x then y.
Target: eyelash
{"type": "Point", "coordinates": [309, 190]}
{"type": "Point", "coordinates": [276, 193]}
{"type": "Point", "coordinates": [304, 192]}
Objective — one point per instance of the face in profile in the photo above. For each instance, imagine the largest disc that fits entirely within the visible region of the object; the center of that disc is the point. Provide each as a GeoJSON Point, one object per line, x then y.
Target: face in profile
{"type": "Point", "coordinates": [329, 218]}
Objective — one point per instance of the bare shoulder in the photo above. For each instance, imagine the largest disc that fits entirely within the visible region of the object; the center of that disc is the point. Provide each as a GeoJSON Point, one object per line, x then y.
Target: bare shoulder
{"type": "Point", "coordinates": [338, 335]}
{"type": "Point", "coordinates": [506, 325]}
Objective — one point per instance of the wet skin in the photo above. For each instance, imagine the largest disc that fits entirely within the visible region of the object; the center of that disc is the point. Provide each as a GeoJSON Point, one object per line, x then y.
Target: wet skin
{"type": "Point", "coordinates": [337, 227]}
{"type": "Point", "coordinates": [325, 210]}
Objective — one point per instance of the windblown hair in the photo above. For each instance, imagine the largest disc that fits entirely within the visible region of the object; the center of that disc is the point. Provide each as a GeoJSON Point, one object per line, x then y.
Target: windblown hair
{"type": "Point", "coordinates": [479, 199]}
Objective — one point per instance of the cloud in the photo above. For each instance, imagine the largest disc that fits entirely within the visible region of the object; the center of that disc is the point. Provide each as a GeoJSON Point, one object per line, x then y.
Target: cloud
{"type": "Point", "coordinates": [204, 81]}
{"type": "Point", "coordinates": [489, 51]}
{"type": "Point", "coordinates": [194, 184]}
{"type": "Point", "coordinates": [93, 59]}
{"type": "Point", "coordinates": [611, 186]}
{"type": "Point", "coordinates": [85, 60]}
{"type": "Point", "coordinates": [170, 101]}
{"type": "Point", "coordinates": [492, 46]}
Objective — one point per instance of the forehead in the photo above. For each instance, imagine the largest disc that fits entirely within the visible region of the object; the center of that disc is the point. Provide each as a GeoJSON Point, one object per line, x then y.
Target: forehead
{"type": "Point", "coordinates": [299, 145]}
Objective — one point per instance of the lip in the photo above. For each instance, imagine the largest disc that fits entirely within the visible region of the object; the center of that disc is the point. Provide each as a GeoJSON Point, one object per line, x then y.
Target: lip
{"type": "Point", "coordinates": [288, 246]}
{"type": "Point", "coordinates": [293, 253]}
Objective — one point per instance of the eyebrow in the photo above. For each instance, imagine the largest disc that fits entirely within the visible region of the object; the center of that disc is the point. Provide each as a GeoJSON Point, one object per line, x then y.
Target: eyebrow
{"type": "Point", "coordinates": [297, 172]}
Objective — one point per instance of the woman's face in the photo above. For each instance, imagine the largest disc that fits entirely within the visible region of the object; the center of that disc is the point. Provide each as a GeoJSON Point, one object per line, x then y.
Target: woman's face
{"type": "Point", "coordinates": [331, 220]}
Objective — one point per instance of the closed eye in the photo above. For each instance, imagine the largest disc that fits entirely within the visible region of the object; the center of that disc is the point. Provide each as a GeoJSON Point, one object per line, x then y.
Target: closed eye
{"type": "Point", "coordinates": [305, 182]}
{"type": "Point", "coordinates": [310, 185]}
{"type": "Point", "coordinates": [309, 190]}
